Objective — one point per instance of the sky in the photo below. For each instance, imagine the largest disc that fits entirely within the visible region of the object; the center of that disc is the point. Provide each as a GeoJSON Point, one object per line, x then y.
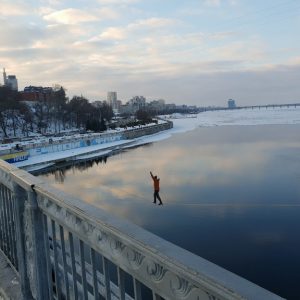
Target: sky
{"type": "Point", "coordinates": [195, 52]}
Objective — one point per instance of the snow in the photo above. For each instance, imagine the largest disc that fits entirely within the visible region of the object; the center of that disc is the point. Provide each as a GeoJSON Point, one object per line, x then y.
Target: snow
{"type": "Point", "coordinates": [248, 117]}
{"type": "Point", "coordinates": [206, 119]}
{"type": "Point", "coordinates": [242, 117]}
{"type": "Point", "coordinates": [70, 154]}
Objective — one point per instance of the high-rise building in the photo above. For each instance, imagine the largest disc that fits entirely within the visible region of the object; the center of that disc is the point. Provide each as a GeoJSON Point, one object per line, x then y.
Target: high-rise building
{"type": "Point", "coordinates": [4, 77]}
{"type": "Point", "coordinates": [112, 99]}
{"type": "Point", "coordinates": [231, 103]}
{"type": "Point", "coordinates": [10, 81]}
{"type": "Point", "coordinates": [138, 102]}
{"type": "Point", "coordinates": [157, 104]}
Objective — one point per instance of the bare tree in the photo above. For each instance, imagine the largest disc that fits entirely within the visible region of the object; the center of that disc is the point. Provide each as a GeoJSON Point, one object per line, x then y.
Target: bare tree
{"type": "Point", "coordinates": [8, 104]}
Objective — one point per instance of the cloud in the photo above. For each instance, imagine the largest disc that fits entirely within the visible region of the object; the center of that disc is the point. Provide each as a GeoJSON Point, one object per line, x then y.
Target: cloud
{"type": "Point", "coordinates": [152, 23]}
{"type": "Point", "coordinates": [144, 50]}
{"type": "Point", "coordinates": [111, 33]}
{"type": "Point", "coordinates": [54, 2]}
{"type": "Point", "coordinates": [108, 13]}
{"type": "Point", "coordinates": [70, 16]}
{"type": "Point", "coordinates": [14, 36]}
{"type": "Point", "coordinates": [143, 26]}
{"type": "Point", "coordinates": [192, 11]}
{"type": "Point", "coordinates": [120, 2]}
{"type": "Point", "coordinates": [45, 10]}
{"type": "Point", "coordinates": [239, 50]}
{"type": "Point", "coordinates": [217, 3]}
{"type": "Point", "coordinates": [294, 61]}
{"type": "Point", "coordinates": [213, 2]}
{"type": "Point", "coordinates": [14, 9]}
{"type": "Point", "coordinates": [233, 2]}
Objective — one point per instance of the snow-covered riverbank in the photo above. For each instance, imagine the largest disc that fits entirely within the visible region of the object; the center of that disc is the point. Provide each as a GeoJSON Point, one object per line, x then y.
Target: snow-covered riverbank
{"type": "Point", "coordinates": [210, 118]}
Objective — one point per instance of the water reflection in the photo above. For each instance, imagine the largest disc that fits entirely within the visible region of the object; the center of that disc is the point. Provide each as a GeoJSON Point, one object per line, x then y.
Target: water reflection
{"type": "Point", "coordinates": [60, 171]}
{"type": "Point", "coordinates": [231, 195]}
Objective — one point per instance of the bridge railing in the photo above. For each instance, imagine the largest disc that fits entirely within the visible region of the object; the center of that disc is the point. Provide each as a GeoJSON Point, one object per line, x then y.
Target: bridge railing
{"type": "Point", "coordinates": [63, 248]}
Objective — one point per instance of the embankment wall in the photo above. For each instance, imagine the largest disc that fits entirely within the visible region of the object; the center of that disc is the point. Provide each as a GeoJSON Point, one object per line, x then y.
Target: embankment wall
{"type": "Point", "coordinates": [138, 132]}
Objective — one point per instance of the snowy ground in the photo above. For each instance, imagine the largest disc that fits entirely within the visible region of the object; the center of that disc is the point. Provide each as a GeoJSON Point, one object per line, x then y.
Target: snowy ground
{"type": "Point", "coordinates": [261, 116]}
{"type": "Point", "coordinates": [205, 119]}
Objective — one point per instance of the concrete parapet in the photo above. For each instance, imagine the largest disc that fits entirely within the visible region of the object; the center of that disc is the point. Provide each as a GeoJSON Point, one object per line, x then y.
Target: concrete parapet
{"type": "Point", "coordinates": [138, 132]}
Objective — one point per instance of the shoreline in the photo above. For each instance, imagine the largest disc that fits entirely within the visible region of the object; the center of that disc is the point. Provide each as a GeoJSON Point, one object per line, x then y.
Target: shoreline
{"type": "Point", "coordinates": [180, 125]}
{"type": "Point", "coordinates": [39, 162]}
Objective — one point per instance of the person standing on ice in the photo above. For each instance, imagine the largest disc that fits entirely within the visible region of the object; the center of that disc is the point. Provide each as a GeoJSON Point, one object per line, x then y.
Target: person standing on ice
{"type": "Point", "coordinates": [156, 188]}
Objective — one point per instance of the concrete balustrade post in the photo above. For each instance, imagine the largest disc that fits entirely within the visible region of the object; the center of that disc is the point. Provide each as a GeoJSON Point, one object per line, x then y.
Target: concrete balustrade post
{"type": "Point", "coordinates": [20, 199]}
{"type": "Point", "coordinates": [30, 245]}
{"type": "Point", "coordinates": [36, 254]}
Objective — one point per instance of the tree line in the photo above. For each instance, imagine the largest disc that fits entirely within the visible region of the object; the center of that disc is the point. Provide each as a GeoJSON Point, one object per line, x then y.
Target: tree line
{"type": "Point", "coordinates": [56, 112]}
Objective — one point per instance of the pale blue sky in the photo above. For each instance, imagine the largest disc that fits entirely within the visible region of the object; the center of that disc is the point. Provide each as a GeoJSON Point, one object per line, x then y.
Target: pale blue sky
{"type": "Point", "coordinates": [193, 52]}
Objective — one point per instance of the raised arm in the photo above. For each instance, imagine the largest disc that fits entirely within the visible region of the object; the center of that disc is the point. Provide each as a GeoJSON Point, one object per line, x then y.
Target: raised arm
{"type": "Point", "coordinates": [151, 175]}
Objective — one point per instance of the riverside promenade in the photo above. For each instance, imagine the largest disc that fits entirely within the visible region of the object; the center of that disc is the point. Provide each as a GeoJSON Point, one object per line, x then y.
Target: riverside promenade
{"type": "Point", "coordinates": [45, 152]}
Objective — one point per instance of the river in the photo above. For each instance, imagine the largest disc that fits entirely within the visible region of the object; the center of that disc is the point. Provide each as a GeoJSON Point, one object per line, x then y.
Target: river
{"type": "Point", "coordinates": [231, 195]}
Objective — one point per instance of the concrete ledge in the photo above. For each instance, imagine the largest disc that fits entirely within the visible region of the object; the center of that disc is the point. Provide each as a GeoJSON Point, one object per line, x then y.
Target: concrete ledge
{"type": "Point", "coordinates": [10, 287]}
{"type": "Point", "coordinates": [143, 131]}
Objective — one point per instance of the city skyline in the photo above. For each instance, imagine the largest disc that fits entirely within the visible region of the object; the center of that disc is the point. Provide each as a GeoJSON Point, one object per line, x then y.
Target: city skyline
{"type": "Point", "coordinates": [193, 52]}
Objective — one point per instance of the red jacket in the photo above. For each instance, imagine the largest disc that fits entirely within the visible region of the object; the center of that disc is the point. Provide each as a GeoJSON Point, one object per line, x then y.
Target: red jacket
{"type": "Point", "coordinates": [155, 183]}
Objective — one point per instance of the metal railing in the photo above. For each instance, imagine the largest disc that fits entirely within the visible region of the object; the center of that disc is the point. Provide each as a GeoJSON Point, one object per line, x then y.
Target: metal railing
{"type": "Point", "coordinates": [62, 248]}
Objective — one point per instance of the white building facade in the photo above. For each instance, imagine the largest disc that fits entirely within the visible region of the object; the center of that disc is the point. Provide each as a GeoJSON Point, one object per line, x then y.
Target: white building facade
{"type": "Point", "coordinates": [112, 100]}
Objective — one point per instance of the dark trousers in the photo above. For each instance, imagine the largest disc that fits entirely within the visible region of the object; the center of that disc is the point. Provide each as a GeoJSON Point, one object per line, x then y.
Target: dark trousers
{"type": "Point", "coordinates": [156, 195]}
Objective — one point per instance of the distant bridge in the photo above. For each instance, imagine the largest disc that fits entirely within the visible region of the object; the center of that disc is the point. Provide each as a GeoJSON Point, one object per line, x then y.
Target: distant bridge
{"type": "Point", "coordinates": [266, 106]}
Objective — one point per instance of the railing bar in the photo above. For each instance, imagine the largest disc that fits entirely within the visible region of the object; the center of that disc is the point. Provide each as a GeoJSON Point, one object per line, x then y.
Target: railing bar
{"type": "Point", "coordinates": [137, 289]}
{"type": "Point", "coordinates": [6, 212]}
{"type": "Point", "coordinates": [10, 225]}
{"type": "Point", "coordinates": [121, 283]}
{"type": "Point", "coordinates": [47, 249]}
{"type": "Point", "coordinates": [95, 281]}
{"type": "Point", "coordinates": [106, 278]}
{"type": "Point", "coordinates": [13, 228]}
{"type": "Point", "coordinates": [5, 224]}
{"type": "Point", "coordinates": [16, 228]}
{"type": "Point", "coordinates": [56, 270]}
{"type": "Point", "coordinates": [63, 249]}
{"type": "Point", "coordinates": [9, 240]}
{"type": "Point", "coordinates": [83, 271]}
{"type": "Point", "coordinates": [74, 273]}
{"type": "Point", "coordinates": [1, 220]}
